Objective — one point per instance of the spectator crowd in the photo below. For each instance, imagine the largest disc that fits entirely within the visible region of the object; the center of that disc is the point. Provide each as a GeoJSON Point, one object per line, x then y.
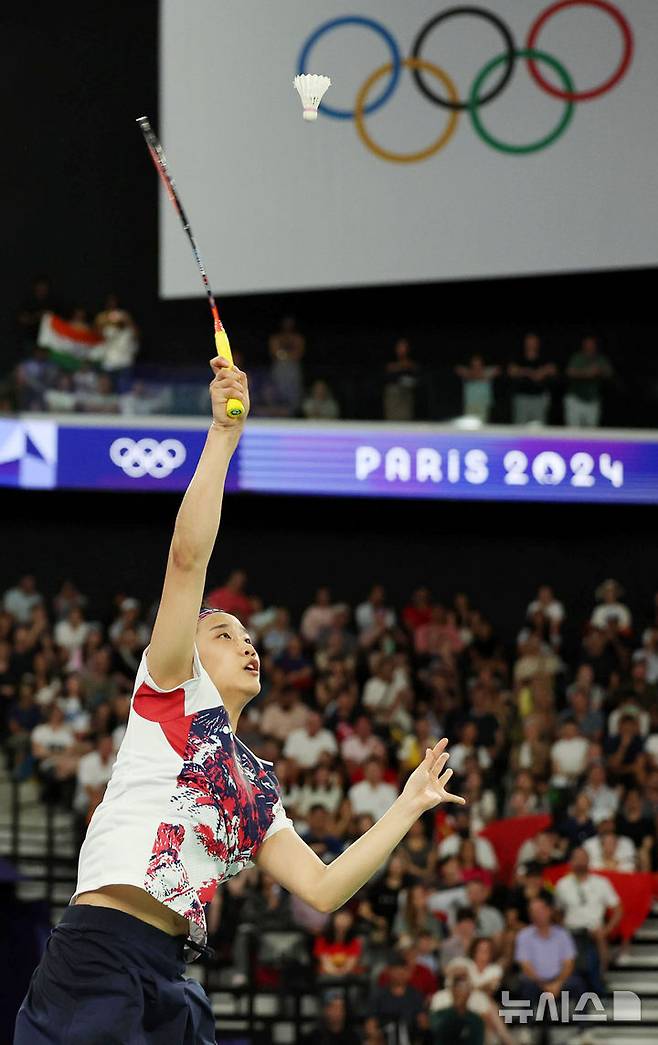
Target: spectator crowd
{"type": "Point", "coordinates": [562, 728]}
{"type": "Point", "coordinates": [71, 363]}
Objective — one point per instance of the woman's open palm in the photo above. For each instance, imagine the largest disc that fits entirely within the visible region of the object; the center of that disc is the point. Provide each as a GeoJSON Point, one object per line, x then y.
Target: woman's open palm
{"type": "Point", "coordinates": [427, 784]}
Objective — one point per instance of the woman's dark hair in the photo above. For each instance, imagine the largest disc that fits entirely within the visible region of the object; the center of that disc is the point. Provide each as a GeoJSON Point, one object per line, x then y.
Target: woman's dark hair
{"type": "Point", "coordinates": [476, 943]}
{"type": "Point", "coordinates": [330, 933]}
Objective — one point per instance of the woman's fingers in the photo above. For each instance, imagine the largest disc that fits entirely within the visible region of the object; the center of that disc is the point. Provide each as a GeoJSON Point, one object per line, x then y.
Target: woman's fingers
{"type": "Point", "coordinates": [442, 781]}
{"type": "Point", "coordinates": [439, 763]}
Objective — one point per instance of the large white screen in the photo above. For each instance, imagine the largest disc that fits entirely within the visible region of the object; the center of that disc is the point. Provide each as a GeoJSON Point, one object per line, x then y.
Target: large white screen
{"type": "Point", "coordinates": [278, 204]}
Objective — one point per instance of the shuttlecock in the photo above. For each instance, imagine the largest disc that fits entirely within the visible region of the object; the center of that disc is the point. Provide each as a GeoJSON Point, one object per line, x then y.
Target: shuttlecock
{"type": "Point", "coordinates": [311, 89]}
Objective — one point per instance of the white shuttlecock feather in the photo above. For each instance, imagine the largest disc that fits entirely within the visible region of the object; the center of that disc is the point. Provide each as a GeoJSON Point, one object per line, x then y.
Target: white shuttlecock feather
{"type": "Point", "coordinates": [311, 89]}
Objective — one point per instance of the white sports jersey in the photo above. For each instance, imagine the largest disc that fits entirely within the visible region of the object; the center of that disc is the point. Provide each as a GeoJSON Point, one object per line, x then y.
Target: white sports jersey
{"type": "Point", "coordinates": [187, 806]}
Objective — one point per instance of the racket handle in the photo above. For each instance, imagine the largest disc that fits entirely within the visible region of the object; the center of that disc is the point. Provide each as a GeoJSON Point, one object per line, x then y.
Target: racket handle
{"type": "Point", "coordinates": [234, 408]}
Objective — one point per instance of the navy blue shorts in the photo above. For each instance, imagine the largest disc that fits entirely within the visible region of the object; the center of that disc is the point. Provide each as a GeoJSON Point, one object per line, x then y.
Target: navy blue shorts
{"type": "Point", "coordinates": [107, 978]}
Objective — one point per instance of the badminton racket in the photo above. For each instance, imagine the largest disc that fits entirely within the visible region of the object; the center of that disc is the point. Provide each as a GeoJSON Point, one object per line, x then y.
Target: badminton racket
{"type": "Point", "coordinates": [234, 408]}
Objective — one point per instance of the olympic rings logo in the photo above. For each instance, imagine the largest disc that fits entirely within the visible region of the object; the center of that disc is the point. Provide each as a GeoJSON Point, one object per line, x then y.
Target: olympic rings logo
{"type": "Point", "coordinates": [147, 456]}
{"type": "Point", "coordinates": [442, 91]}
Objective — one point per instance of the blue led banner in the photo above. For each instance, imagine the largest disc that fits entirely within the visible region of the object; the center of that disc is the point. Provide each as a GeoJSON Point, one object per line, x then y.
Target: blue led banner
{"type": "Point", "coordinates": [337, 459]}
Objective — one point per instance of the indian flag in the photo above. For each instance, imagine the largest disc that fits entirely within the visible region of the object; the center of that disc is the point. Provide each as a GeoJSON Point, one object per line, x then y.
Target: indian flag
{"type": "Point", "coordinates": [69, 344]}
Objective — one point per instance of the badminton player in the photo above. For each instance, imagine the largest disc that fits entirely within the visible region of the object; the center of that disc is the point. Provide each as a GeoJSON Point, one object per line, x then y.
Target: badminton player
{"type": "Point", "coordinates": [187, 807]}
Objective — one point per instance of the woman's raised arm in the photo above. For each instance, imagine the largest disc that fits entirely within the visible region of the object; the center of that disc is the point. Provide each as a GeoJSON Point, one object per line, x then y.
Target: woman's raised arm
{"type": "Point", "coordinates": [171, 650]}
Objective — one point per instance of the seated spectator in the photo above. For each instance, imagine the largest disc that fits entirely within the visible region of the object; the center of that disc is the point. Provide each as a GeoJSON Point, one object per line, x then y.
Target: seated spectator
{"type": "Point", "coordinates": [360, 745]}
{"type": "Point", "coordinates": [478, 379]}
{"type": "Point", "coordinates": [592, 911]}
{"type": "Point", "coordinates": [449, 894]}
{"type": "Point", "coordinates": [531, 379]}
{"type": "Point", "coordinates": [549, 606]}
{"type": "Point", "coordinates": [93, 775]}
{"type": "Point", "coordinates": [61, 397]}
{"type": "Point", "coordinates": [412, 749]}
{"type": "Point", "coordinates": [317, 617]}
{"type": "Point", "coordinates": [529, 884]}
{"type": "Point", "coordinates": [24, 716]}
{"type": "Point", "coordinates": [608, 595]}
{"type": "Point", "coordinates": [608, 851]}
{"type": "Point", "coordinates": [625, 752]}
{"type": "Point", "coordinates": [55, 752]}
{"type": "Point", "coordinates": [382, 901]}
{"type": "Point", "coordinates": [128, 617]}
{"type": "Point", "coordinates": [72, 632]}
{"type": "Point", "coordinates": [36, 304]}
{"type": "Point", "coordinates": [288, 773]}
{"type": "Point", "coordinates": [456, 1014]}
{"type": "Point", "coordinates": [33, 376]}
{"type": "Point", "coordinates": [419, 850]}
{"type": "Point", "coordinates": [374, 614]}
{"type": "Point", "coordinates": [418, 610]}
{"type": "Point", "coordinates": [333, 1027]}
{"type": "Point", "coordinates": [463, 934]}
{"type": "Point", "coordinates": [297, 667]}
{"type": "Point", "coordinates": [533, 752]}
{"type": "Point", "coordinates": [231, 597]}
{"type": "Point", "coordinates": [382, 690]}
{"type": "Point", "coordinates": [578, 825]}
{"type": "Point", "coordinates": [68, 597]}
{"type": "Point", "coordinates": [397, 1002]}
{"type": "Point", "coordinates": [400, 381]}
{"type": "Point", "coordinates": [320, 404]}
{"type": "Point", "coordinates": [322, 788]}
{"type": "Point", "coordinates": [488, 919]}
{"type": "Point", "coordinates": [484, 972]}
{"type": "Point", "coordinates": [545, 849]}
{"type": "Point", "coordinates": [414, 916]}
{"type": "Point", "coordinates": [440, 632]}
{"type": "Point", "coordinates": [372, 795]}
{"type": "Point", "coordinates": [338, 949]}
{"type": "Point", "coordinates": [536, 659]}
{"type": "Point", "coordinates": [318, 834]}
{"type": "Point", "coordinates": [21, 600]}
{"type": "Point", "coordinates": [604, 799]}
{"type": "Point", "coordinates": [306, 744]}
{"type": "Point", "coordinates": [276, 636]}
{"type": "Point", "coordinates": [142, 400]}
{"type": "Point", "coordinates": [481, 801]}
{"type": "Point", "coordinates": [479, 1000]}
{"type": "Point", "coordinates": [634, 822]}
{"type": "Point", "coordinates": [468, 747]}
{"type": "Point", "coordinates": [568, 756]}
{"type": "Point", "coordinates": [546, 954]}
{"type": "Point", "coordinates": [284, 715]}
{"type": "Point", "coordinates": [590, 723]}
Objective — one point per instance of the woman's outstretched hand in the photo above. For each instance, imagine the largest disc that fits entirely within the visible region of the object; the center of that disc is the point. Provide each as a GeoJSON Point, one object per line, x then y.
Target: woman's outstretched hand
{"type": "Point", "coordinates": [228, 383]}
{"type": "Point", "coordinates": [426, 786]}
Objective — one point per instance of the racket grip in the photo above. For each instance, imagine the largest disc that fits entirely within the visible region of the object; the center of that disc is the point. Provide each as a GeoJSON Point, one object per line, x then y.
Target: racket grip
{"type": "Point", "coordinates": [234, 408]}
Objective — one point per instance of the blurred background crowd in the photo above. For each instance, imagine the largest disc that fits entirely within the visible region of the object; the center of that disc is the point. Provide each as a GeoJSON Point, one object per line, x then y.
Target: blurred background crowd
{"type": "Point", "coordinates": [553, 739]}
{"type": "Point", "coordinates": [72, 360]}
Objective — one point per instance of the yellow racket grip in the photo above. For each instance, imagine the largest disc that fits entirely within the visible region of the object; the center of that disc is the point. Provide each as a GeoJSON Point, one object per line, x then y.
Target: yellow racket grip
{"type": "Point", "coordinates": [234, 408]}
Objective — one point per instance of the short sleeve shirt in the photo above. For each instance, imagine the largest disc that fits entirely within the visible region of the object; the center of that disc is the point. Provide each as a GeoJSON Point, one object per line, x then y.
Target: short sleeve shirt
{"type": "Point", "coordinates": [546, 954]}
{"type": "Point", "coordinates": [188, 804]}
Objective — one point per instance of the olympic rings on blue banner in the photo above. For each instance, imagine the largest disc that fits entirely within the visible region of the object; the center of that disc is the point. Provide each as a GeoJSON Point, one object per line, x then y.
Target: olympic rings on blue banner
{"type": "Point", "coordinates": [475, 100]}
{"type": "Point", "coordinates": [369, 23]}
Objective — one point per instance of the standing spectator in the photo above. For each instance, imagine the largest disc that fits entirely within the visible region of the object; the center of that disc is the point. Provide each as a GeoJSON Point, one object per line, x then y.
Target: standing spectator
{"type": "Point", "coordinates": [320, 404]}
{"type": "Point", "coordinates": [231, 597]}
{"type": "Point", "coordinates": [287, 347]}
{"type": "Point", "coordinates": [372, 795]}
{"type": "Point", "coordinates": [531, 379]}
{"type": "Point", "coordinates": [120, 343]}
{"type": "Point", "coordinates": [39, 301]}
{"type": "Point", "coordinates": [21, 600]}
{"type": "Point", "coordinates": [305, 745]}
{"type": "Point", "coordinates": [400, 380]}
{"type": "Point", "coordinates": [477, 381]}
{"type": "Point", "coordinates": [587, 371]}
{"type": "Point", "coordinates": [592, 911]}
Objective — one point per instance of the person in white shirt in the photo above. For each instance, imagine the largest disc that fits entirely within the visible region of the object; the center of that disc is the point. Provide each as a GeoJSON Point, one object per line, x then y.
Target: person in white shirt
{"type": "Point", "coordinates": [21, 600]}
{"type": "Point", "coordinates": [372, 795]}
{"type": "Point", "coordinates": [569, 755]}
{"type": "Point", "coordinates": [54, 750]}
{"type": "Point", "coordinates": [374, 613]}
{"type": "Point", "coordinates": [603, 798]}
{"type": "Point", "coordinates": [362, 743]}
{"type": "Point", "coordinates": [383, 688]}
{"type": "Point", "coordinates": [467, 748]}
{"type": "Point", "coordinates": [546, 603]}
{"type": "Point", "coordinates": [72, 632]}
{"type": "Point", "coordinates": [608, 851]}
{"type": "Point", "coordinates": [93, 776]}
{"type": "Point", "coordinates": [608, 595]}
{"type": "Point", "coordinates": [591, 906]}
{"type": "Point", "coordinates": [317, 617]}
{"type": "Point", "coordinates": [305, 745]}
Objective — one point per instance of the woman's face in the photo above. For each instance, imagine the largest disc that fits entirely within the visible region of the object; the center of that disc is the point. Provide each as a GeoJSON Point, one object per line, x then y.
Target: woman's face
{"type": "Point", "coordinates": [482, 953]}
{"type": "Point", "coordinates": [228, 655]}
{"type": "Point", "coordinates": [342, 922]}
